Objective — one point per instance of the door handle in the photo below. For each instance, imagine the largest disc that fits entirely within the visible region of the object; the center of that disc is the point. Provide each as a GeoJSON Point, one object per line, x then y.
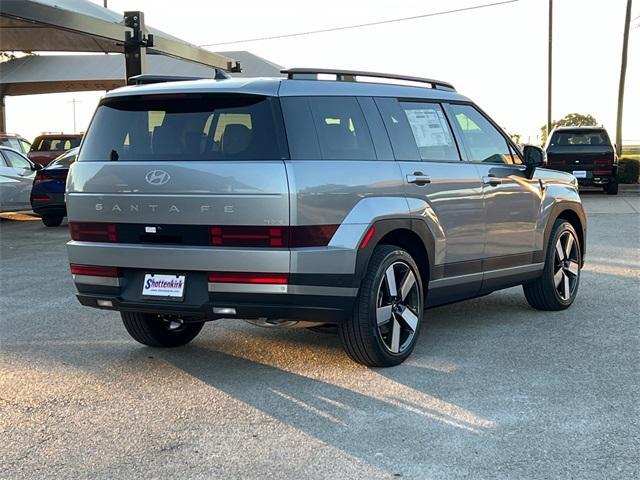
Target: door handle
{"type": "Point", "coordinates": [418, 178]}
{"type": "Point", "coordinates": [491, 180]}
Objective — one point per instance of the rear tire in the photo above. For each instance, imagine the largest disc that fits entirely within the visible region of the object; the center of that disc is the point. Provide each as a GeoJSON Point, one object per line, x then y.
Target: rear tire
{"type": "Point", "coordinates": [383, 328]}
{"type": "Point", "coordinates": [52, 220]}
{"type": "Point", "coordinates": [158, 331]}
{"type": "Point", "coordinates": [557, 287]}
{"type": "Point", "coordinates": [612, 187]}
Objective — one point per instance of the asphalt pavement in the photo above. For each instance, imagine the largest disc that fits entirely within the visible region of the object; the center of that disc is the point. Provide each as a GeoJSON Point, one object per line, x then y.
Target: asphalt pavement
{"type": "Point", "coordinates": [494, 389]}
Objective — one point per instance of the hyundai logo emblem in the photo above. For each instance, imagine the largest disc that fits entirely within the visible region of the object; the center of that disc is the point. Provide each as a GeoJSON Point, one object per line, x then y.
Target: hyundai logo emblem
{"type": "Point", "coordinates": [157, 177]}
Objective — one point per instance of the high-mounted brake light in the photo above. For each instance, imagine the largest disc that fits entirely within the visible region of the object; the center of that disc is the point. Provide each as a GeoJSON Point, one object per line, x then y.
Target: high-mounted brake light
{"type": "Point", "coordinates": [243, 277]}
{"type": "Point", "coordinates": [93, 232]}
{"type": "Point", "coordinates": [95, 270]}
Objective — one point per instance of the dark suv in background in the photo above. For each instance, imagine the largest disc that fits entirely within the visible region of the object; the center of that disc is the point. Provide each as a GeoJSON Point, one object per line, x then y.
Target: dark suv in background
{"type": "Point", "coordinates": [48, 146]}
{"type": "Point", "coordinates": [586, 152]}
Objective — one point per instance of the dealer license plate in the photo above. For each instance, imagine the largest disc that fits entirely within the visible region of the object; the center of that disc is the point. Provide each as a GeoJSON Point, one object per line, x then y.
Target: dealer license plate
{"type": "Point", "coordinates": [161, 285]}
{"type": "Point", "coordinates": [580, 173]}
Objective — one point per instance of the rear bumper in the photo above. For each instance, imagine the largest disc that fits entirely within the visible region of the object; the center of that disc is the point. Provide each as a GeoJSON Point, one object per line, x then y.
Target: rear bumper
{"type": "Point", "coordinates": [211, 301]}
{"type": "Point", "coordinates": [55, 205]}
{"type": "Point", "coordinates": [592, 177]}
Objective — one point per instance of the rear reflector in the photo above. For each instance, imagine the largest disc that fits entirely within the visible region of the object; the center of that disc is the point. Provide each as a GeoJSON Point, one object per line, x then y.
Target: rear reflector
{"type": "Point", "coordinates": [271, 236]}
{"type": "Point", "coordinates": [93, 232]}
{"type": "Point", "coordinates": [604, 171]}
{"type": "Point", "coordinates": [39, 199]}
{"type": "Point", "coordinates": [95, 270]}
{"type": "Point", "coordinates": [242, 277]}
{"type": "Point", "coordinates": [367, 237]}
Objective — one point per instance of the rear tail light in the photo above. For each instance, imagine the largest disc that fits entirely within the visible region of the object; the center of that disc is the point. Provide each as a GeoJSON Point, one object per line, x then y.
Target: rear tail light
{"type": "Point", "coordinates": [40, 199]}
{"type": "Point", "coordinates": [241, 236]}
{"type": "Point", "coordinates": [311, 235]}
{"type": "Point", "coordinates": [255, 278]}
{"type": "Point", "coordinates": [39, 178]}
{"type": "Point", "coordinates": [95, 270]}
{"type": "Point", "coordinates": [602, 163]}
{"type": "Point", "coordinates": [93, 232]}
{"type": "Point", "coordinates": [271, 237]}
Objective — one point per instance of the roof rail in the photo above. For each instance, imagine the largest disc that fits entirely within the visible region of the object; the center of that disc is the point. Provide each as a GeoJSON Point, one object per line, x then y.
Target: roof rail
{"type": "Point", "coordinates": [350, 76]}
{"type": "Point", "coordinates": [146, 79]}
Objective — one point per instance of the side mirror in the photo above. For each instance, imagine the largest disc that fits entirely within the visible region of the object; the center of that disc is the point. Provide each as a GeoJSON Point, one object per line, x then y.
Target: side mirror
{"type": "Point", "coordinates": [36, 167]}
{"type": "Point", "coordinates": [534, 157]}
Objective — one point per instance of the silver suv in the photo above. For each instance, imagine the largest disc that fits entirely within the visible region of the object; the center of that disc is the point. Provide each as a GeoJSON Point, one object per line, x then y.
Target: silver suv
{"type": "Point", "coordinates": [309, 201]}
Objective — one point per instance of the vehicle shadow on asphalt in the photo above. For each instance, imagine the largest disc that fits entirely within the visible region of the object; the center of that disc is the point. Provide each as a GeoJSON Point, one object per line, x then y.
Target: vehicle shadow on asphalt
{"type": "Point", "coordinates": [332, 408]}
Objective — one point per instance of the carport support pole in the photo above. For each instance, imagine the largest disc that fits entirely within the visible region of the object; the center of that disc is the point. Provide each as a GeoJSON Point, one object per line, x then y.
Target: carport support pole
{"type": "Point", "coordinates": [623, 73]}
{"type": "Point", "coordinates": [550, 69]}
{"type": "Point", "coordinates": [3, 118]}
{"type": "Point", "coordinates": [135, 51]}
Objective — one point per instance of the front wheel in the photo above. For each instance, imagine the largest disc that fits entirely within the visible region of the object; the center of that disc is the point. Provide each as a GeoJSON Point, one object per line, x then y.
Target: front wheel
{"type": "Point", "coordinates": [383, 328]}
{"type": "Point", "coordinates": [557, 287]}
{"type": "Point", "coordinates": [159, 330]}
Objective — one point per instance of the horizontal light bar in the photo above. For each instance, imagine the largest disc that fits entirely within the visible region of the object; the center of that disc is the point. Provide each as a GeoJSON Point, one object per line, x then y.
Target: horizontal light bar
{"type": "Point", "coordinates": [95, 270]}
{"type": "Point", "coordinates": [253, 278]}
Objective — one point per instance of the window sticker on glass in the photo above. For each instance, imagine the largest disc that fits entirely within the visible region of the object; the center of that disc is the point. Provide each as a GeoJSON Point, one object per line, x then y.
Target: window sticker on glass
{"type": "Point", "coordinates": [428, 127]}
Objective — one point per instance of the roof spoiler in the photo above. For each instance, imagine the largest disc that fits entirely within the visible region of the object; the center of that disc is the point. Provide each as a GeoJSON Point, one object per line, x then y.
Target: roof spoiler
{"type": "Point", "coordinates": [145, 79]}
{"type": "Point", "coordinates": [350, 76]}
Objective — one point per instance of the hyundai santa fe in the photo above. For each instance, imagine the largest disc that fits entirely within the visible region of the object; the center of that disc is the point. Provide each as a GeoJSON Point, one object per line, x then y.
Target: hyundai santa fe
{"type": "Point", "coordinates": [323, 198]}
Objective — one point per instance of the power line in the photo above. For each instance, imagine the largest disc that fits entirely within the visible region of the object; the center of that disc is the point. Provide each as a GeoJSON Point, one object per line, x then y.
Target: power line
{"type": "Point", "coordinates": [361, 25]}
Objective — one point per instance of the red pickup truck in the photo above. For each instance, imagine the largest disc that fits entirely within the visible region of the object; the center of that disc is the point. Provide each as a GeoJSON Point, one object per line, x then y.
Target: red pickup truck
{"type": "Point", "coordinates": [48, 146]}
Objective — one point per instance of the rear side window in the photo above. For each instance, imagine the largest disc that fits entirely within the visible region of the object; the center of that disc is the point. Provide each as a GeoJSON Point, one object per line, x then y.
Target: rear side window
{"type": "Point", "coordinates": [184, 127]}
{"type": "Point", "coordinates": [431, 131]}
{"type": "Point", "coordinates": [328, 128]}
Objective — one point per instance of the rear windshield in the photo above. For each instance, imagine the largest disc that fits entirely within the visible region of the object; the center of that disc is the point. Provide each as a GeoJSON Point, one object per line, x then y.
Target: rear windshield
{"type": "Point", "coordinates": [595, 137]}
{"type": "Point", "coordinates": [65, 160]}
{"type": "Point", "coordinates": [11, 143]}
{"type": "Point", "coordinates": [55, 144]}
{"type": "Point", "coordinates": [185, 127]}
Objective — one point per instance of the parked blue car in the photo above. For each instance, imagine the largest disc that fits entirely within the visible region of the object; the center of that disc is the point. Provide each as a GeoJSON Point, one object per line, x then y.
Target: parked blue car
{"type": "Point", "coordinates": [47, 193]}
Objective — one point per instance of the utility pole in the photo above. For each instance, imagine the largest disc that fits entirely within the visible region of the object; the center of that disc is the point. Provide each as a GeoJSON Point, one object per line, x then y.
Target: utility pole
{"type": "Point", "coordinates": [74, 102]}
{"type": "Point", "coordinates": [550, 68]}
{"type": "Point", "coordinates": [623, 74]}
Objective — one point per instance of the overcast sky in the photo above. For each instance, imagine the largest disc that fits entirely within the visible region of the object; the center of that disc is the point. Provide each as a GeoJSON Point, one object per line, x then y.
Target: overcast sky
{"type": "Point", "coordinates": [496, 56]}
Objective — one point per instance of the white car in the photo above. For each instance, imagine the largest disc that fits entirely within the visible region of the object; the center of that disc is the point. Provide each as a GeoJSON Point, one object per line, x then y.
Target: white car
{"type": "Point", "coordinates": [16, 178]}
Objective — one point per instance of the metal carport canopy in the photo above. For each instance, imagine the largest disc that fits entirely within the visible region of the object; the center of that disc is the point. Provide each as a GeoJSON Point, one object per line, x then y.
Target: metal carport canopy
{"type": "Point", "coordinates": [82, 26]}
{"type": "Point", "coordinates": [37, 74]}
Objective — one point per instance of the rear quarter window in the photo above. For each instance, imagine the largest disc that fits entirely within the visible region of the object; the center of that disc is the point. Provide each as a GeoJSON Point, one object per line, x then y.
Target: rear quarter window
{"type": "Point", "coordinates": [185, 127]}
{"type": "Point", "coordinates": [327, 128]}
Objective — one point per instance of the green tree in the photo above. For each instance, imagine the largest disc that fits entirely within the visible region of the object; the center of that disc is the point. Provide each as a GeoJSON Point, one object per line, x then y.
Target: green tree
{"type": "Point", "coordinates": [570, 120]}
